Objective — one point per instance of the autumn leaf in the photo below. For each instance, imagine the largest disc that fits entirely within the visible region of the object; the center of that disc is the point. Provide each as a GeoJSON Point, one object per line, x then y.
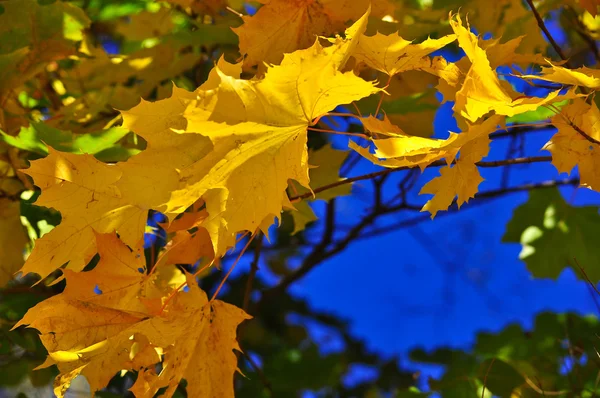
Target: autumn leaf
{"type": "Point", "coordinates": [110, 318]}
{"type": "Point", "coordinates": [460, 180]}
{"type": "Point", "coordinates": [302, 215]}
{"type": "Point", "coordinates": [90, 194]}
{"type": "Point", "coordinates": [576, 142]}
{"type": "Point", "coordinates": [147, 24]}
{"type": "Point", "coordinates": [281, 26]}
{"type": "Point", "coordinates": [258, 133]}
{"type": "Point", "coordinates": [398, 149]}
{"type": "Point", "coordinates": [13, 238]}
{"type": "Point", "coordinates": [506, 53]}
{"type": "Point", "coordinates": [82, 189]}
{"type": "Point", "coordinates": [392, 54]}
{"type": "Point", "coordinates": [481, 91]}
{"type": "Point", "coordinates": [190, 242]}
{"type": "Point", "coordinates": [585, 77]}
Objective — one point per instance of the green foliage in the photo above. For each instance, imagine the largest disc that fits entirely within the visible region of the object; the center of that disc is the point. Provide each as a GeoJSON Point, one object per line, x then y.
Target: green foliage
{"type": "Point", "coordinates": [555, 234]}
{"type": "Point", "coordinates": [558, 355]}
{"type": "Point", "coordinates": [38, 136]}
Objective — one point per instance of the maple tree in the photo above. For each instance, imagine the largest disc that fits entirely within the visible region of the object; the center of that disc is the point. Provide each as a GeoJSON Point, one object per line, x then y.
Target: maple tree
{"type": "Point", "coordinates": [129, 176]}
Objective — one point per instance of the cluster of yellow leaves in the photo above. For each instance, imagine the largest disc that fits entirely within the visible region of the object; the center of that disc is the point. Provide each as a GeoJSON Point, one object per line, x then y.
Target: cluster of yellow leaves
{"type": "Point", "coordinates": [225, 159]}
{"type": "Point", "coordinates": [232, 143]}
{"type": "Point", "coordinates": [129, 326]}
{"type": "Point", "coordinates": [577, 142]}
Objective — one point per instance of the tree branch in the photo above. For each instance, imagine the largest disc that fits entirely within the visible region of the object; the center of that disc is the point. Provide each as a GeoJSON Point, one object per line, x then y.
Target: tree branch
{"type": "Point", "coordinates": [544, 29]}
{"type": "Point", "coordinates": [516, 131]}
{"type": "Point", "coordinates": [478, 200]}
{"type": "Point", "coordinates": [437, 163]}
{"type": "Point", "coordinates": [266, 383]}
{"type": "Point", "coordinates": [318, 256]}
{"type": "Point", "coordinates": [584, 134]}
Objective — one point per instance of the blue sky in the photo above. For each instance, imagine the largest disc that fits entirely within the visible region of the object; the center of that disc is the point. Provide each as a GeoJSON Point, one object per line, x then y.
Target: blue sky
{"type": "Point", "coordinates": [441, 282]}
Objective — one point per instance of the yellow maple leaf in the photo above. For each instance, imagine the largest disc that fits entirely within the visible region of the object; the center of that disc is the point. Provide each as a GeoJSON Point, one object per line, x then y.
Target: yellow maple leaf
{"type": "Point", "coordinates": [258, 133]}
{"type": "Point", "coordinates": [585, 77]}
{"type": "Point", "coordinates": [190, 241]}
{"type": "Point", "coordinates": [403, 150]}
{"type": "Point", "coordinates": [392, 54]}
{"type": "Point", "coordinates": [570, 147]}
{"type": "Point", "coordinates": [506, 53]}
{"type": "Point", "coordinates": [12, 238]}
{"type": "Point", "coordinates": [481, 91]}
{"type": "Point", "coordinates": [146, 24]}
{"type": "Point", "coordinates": [108, 319]}
{"type": "Point", "coordinates": [461, 179]}
{"type": "Point", "coordinates": [283, 26]}
{"type": "Point", "coordinates": [82, 189]}
{"type": "Point", "coordinates": [91, 195]}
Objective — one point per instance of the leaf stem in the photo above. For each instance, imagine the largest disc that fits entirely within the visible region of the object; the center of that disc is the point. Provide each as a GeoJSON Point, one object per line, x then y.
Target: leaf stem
{"type": "Point", "coordinates": [486, 376]}
{"type": "Point", "coordinates": [343, 115]}
{"type": "Point", "coordinates": [176, 290]}
{"type": "Point", "coordinates": [237, 260]}
{"type": "Point", "coordinates": [381, 97]}
{"type": "Point", "coordinates": [338, 132]}
{"type": "Point", "coordinates": [253, 270]}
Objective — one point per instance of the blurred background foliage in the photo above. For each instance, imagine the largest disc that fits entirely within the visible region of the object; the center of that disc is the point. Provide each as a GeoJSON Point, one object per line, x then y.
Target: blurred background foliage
{"type": "Point", "coordinates": [66, 67]}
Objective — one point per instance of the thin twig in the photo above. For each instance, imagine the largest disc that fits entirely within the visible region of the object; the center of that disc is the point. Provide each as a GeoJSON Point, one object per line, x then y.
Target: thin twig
{"type": "Point", "coordinates": [544, 29]}
{"type": "Point", "coordinates": [359, 135]}
{"type": "Point", "coordinates": [266, 383]}
{"type": "Point", "coordinates": [508, 162]}
{"type": "Point", "coordinates": [318, 256]}
{"type": "Point", "coordinates": [519, 130]}
{"type": "Point", "coordinates": [237, 260]}
{"type": "Point", "coordinates": [584, 134]}
{"type": "Point", "coordinates": [587, 278]}
{"type": "Point", "coordinates": [544, 392]}
{"type": "Point", "coordinates": [474, 202]}
{"type": "Point", "coordinates": [235, 12]}
{"type": "Point", "coordinates": [253, 270]}
{"type": "Point", "coordinates": [315, 257]}
{"type": "Point", "coordinates": [485, 377]}
{"type": "Point", "coordinates": [382, 94]}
